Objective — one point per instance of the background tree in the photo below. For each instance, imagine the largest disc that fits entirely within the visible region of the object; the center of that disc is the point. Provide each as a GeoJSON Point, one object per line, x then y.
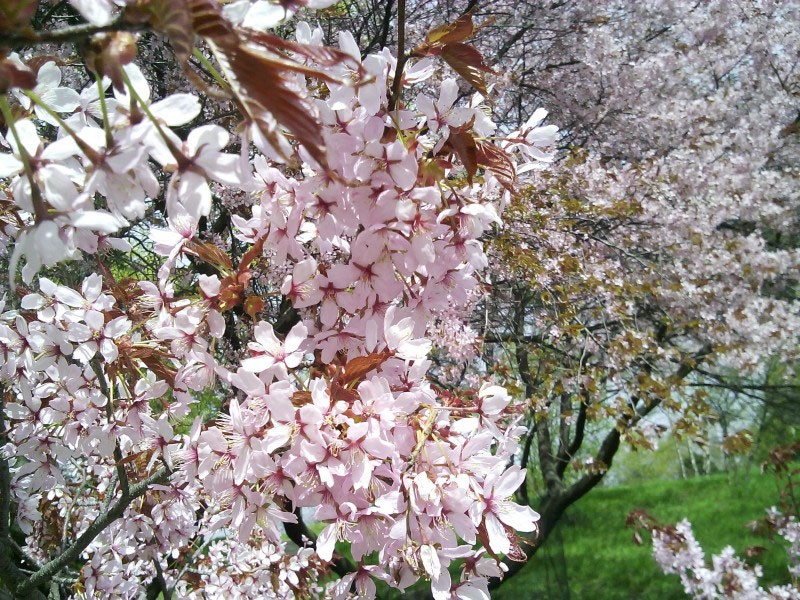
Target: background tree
{"type": "Point", "coordinates": [654, 262]}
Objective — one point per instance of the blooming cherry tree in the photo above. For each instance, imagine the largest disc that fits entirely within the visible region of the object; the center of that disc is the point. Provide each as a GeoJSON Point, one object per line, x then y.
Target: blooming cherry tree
{"type": "Point", "coordinates": [304, 255]}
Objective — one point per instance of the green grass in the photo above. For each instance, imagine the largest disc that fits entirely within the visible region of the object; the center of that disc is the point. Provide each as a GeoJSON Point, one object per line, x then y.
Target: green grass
{"type": "Point", "coordinates": [592, 554]}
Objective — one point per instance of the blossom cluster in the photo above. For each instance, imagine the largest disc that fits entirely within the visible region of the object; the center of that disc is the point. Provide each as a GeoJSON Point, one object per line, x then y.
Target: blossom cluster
{"type": "Point", "coordinates": [331, 414]}
{"type": "Point", "coordinates": [677, 552]}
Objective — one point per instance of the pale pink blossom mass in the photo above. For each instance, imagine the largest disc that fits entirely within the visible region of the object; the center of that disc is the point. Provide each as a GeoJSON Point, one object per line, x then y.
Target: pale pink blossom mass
{"type": "Point", "coordinates": [278, 314]}
{"type": "Point", "coordinates": [332, 415]}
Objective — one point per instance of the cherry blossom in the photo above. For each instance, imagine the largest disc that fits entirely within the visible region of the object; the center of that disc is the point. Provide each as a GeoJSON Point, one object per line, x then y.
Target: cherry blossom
{"type": "Point", "coordinates": [677, 552]}
{"type": "Point", "coordinates": [272, 364]}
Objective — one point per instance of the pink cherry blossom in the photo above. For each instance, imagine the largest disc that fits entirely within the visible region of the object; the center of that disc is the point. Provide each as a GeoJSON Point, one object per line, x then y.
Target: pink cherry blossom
{"type": "Point", "coordinates": [499, 512]}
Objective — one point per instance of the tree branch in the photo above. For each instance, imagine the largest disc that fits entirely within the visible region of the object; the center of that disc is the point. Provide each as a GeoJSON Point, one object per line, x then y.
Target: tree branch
{"type": "Point", "coordinates": [381, 38]}
{"type": "Point", "coordinates": [397, 84]}
{"type": "Point", "coordinates": [10, 573]}
{"type": "Point", "coordinates": [52, 567]}
{"type": "Point", "coordinates": [122, 474]}
{"type": "Point", "coordinates": [577, 440]}
{"type": "Point", "coordinates": [78, 33]}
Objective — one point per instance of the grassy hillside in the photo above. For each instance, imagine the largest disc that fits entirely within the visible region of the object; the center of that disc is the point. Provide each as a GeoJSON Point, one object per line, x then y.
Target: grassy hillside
{"type": "Point", "coordinates": [597, 559]}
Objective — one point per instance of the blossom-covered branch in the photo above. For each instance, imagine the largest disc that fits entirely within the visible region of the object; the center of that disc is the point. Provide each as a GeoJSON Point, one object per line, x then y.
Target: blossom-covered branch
{"type": "Point", "coordinates": [301, 324]}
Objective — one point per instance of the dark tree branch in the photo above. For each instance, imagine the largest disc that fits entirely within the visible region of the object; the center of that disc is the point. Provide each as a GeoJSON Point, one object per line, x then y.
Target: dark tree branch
{"type": "Point", "coordinates": [545, 452]}
{"type": "Point", "coordinates": [564, 410]}
{"type": "Point", "coordinates": [158, 586]}
{"type": "Point", "coordinates": [557, 499]}
{"type": "Point", "coordinates": [524, 460]}
{"type": "Point", "coordinates": [577, 441]}
{"type": "Point", "coordinates": [78, 33]}
{"type": "Point", "coordinates": [511, 42]}
{"type": "Point", "coordinates": [402, 57]}
{"type": "Point", "coordinates": [381, 38]}
{"type": "Point", "coordinates": [10, 573]}
{"type": "Point", "coordinates": [122, 474]}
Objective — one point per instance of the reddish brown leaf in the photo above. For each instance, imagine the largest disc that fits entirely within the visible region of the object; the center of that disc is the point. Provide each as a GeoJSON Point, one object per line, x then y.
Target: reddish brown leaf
{"type": "Point", "coordinates": [463, 28]}
{"type": "Point", "coordinates": [140, 351]}
{"type": "Point", "coordinates": [323, 55]}
{"type": "Point", "coordinates": [171, 17]}
{"type": "Point", "coordinates": [260, 73]}
{"type": "Point", "coordinates": [230, 293]}
{"type": "Point", "coordinates": [341, 393]}
{"type": "Point", "coordinates": [464, 146]}
{"type": "Point", "coordinates": [16, 13]}
{"type": "Point", "coordinates": [9, 211]}
{"type": "Point", "coordinates": [249, 256]}
{"type": "Point", "coordinates": [253, 305]}
{"type": "Point", "coordinates": [135, 456]}
{"type": "Point", "coordinates": [498, 162]}
{"type": "Point", "coordinates": [356, 369]}
{"type": "Point", "coordinates": [447, 41]}
{"type": "Point", "coordinates": [208, 22]}
{"type": "Point", "coordinates": [12, 76]}
{"type": "Point", "coordinates": [160, 369]}
{"type": "Point", "coordinates": [126, 292]}
{"type": "Point", "coordinates": [467, 62]}
{"type": "Point", "coordinates": [211, 254]}
{"type": "Point", "coordinates": [452, 33]}
{"type": "Point", "coordinates": [271, 97]}
{"type": "Point", "coordinates": [301, 398]}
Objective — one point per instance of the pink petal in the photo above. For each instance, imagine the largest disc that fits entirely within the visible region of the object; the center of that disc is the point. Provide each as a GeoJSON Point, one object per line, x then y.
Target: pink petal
{"type": "Point", "coordinates": [326, 541]}
{"type": "Point", "coordinates": [498, 540]}
{"type": "Point", "coordinates": [509, 482]}
{"type": "Point", "coordinates": [519, 518]}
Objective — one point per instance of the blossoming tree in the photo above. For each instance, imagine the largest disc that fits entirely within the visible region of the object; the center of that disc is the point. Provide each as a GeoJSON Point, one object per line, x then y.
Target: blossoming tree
{"type": "Point", "coordinates": [654, 263]}
{"type": "Point", "coordinates": [678, 552]}
{"type": "Point", "coordinates": [314, 211]}
{"type": "Point", "coordinates": [276, 306]}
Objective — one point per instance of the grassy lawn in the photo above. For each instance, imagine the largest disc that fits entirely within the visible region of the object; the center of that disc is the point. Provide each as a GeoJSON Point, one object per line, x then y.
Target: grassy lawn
{"type": "Point", "coordinates": [594, 552]}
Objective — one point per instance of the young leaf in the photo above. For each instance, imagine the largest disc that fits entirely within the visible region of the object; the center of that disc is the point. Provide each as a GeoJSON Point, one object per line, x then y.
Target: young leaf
{"type": "Point", "coordinates": [270, 97]}
{"type": "Point", "coordinates": [256, 65]}
{"type": "Point", "coordinates": [447, 41]}
{"type": "Point", "coordinates": [211, 254]}
{"type": "Point", "coordinates": [464, 146]}
{"type": "Point", "coordinates": [13, 76]}
{"type": "Point", "coordinates": [467, 62]}
{"type": "Point", "coordinates": [172, 18]}
{"type": "Point", "coordinates": [449, 33]}
{"type": "Point", "coordinates": [253, 305]}
{"type": "Point", "coordinates": [357, 368]}
{"type": "Point", "coordinates": [498, 162]}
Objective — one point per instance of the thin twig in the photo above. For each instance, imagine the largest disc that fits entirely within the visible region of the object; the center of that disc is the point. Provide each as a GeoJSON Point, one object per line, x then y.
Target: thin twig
{"type": "Point", "coordinates": [401, 55]}
{"type": "Point", "coordinates": [122, 474]}
{"type": "Point", "coordinates": [189, 563]}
